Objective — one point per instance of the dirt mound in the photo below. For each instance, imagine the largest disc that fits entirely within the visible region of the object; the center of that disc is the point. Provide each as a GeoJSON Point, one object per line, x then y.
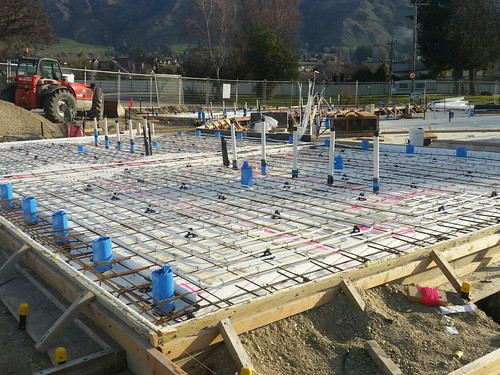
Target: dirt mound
{"type": "Point", "coordinates": [17, 123]}
{"type": "Point", "coordinates": [330, 339]}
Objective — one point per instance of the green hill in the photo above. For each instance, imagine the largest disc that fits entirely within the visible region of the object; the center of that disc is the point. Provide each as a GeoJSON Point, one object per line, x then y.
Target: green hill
{"type": "Point", "coordinates": [152, 23]}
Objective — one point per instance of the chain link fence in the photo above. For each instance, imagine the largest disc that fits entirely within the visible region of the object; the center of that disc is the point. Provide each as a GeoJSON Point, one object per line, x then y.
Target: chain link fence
{"type": "Point", "coordinates": [163, 90]}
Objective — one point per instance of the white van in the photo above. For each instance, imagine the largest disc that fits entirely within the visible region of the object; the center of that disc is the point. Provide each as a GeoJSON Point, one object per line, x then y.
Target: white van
{"type": "Point", "coordinates": [421, 86]}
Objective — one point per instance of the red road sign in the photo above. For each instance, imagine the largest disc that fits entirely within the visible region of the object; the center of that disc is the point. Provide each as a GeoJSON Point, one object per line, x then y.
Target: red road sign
{"type": "Point", "coordinates": [412, 75]}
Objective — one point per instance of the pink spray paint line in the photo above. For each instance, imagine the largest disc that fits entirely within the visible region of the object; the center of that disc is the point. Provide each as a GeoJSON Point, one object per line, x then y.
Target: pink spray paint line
{"type": "Point", "coordinates": [190, 288]}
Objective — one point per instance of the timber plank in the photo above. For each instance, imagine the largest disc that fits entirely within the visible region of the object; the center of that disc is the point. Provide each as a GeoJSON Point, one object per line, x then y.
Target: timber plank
{"type": "Point", "coordinates": [383, 361]}
{"type": "Point", "coordinates": [234, 345]}
{"type": "Point", "coordinates": [486, 365]}
{"type": "Point", "coordinates": [447, 269]}
{"type": "Point", "coordinates": [352, 293]}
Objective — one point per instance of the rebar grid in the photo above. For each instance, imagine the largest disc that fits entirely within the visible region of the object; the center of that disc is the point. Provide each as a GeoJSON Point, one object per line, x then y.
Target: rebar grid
{"type": "Point", "coordinates": [227, 244]}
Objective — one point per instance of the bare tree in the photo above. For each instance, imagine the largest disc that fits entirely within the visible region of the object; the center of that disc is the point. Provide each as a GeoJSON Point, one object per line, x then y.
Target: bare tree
{"type": "Point", "coordinates": [23, 23]}
{"type": "Point", "coordinates": [215, 25]}
{"type": "Point", "coordinates": [282, 16]}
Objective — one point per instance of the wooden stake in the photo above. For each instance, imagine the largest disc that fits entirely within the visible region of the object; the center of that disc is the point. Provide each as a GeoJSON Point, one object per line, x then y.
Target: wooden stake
{"type": "Point", "coordinates": [447, 270]}
{"type": "Point", "coordinates": [352, 293]}
{"type": "Point", "coordinates": [383, 361]}
{"type": "Point", "coordinates": [234, 345]}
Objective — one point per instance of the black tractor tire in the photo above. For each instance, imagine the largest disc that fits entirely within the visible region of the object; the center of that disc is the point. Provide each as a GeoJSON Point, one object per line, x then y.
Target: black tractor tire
{"type": "Point", "coordinates": [56, 102]}
{"type": "Point", "coordinates": [8, 92]}
{"type": "Point", "coordinates": [97, 110]}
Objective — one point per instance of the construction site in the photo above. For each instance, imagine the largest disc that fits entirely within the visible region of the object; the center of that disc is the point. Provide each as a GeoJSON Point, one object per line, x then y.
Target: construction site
{"type": "Point", "coordinates": [302, 247]}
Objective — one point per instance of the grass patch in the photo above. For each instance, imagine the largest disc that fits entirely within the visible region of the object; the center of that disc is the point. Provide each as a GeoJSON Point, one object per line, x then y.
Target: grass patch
{"type": "Point", "coordinates": [69, 47]}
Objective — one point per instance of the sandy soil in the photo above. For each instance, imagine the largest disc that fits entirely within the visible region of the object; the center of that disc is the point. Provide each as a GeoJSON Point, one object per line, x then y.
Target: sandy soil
{"type": "Point", "coordinates": [330, 339]}
{"type": "Point", "coordinates": [18, 123]}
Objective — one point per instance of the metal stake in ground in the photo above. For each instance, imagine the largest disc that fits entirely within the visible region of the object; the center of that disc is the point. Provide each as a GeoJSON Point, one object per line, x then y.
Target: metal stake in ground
{"type": "Point", "coordinates": [96, 133]}
{"type": "Point", "coordinates": [106, 138]}
{"type": "Point", "coordinates": [131, 135]}
{"type": "Point", "coordinates": [145, 133]}
{"type": "Point", "coordinates": [233, 142]}
{"type": "Point", "coordinates": [118, 140]}
{"type": "Point", "coordinates": [263, 161]}
{"type": "Point", "coordinates": [295, 167]}
{"type": "Point", "coordinates": [331, 153]}
{"type": "Point", "coordinates": [149, 126]}
{"type": "Point", "coordinates": [376, 178]}
{"type": "Point", "coordinates": [225, 157]}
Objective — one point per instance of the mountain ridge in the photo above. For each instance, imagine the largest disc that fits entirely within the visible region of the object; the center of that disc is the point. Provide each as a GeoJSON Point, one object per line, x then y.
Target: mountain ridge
{"type": "Point", "coordinates": [149, 23]}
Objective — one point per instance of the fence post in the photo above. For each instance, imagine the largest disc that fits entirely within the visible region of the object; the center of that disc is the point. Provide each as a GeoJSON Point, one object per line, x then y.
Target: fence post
{"type": "Point", "coordinates": [265, 93]}
{"type": "Point", "coordinates": [151, 91]}
{"type": "Point", "coordinates": [180, 91]}
{"type": "Point", "coordinates": [495, 100]}
{"type": "Point", "coordinates": [157, 93]}
{"type": "Point", "coordinates": [237, 88]}
{"type": "Point", "coordinates": [206, 93]}
{"type": "Point", "coordinates": [118, 86]}
{"type": "Point", "coordinates": [356, 96]}
{"type": "Point", "coordinates": [291, 93]}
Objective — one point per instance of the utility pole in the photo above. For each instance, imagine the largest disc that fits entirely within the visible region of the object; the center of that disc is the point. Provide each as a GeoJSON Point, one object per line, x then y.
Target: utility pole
{"type": "Point", "coordinates": [391, 43]}
{"type": "Point", "coordinates": [416, 4]}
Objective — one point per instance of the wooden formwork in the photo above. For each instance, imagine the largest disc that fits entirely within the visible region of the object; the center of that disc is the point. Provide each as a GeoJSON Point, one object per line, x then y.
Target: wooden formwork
{"type": "Point", "coordinates": [156, 347]}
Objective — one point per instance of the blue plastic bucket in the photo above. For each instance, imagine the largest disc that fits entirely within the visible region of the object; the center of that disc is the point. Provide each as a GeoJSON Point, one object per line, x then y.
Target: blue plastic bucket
{"type": "Point", "coordinates": [6, 196]}
{"type": "Point", "coordinates": [327, 143]}
{"type": "Point", "coordinates": [198, 133]}
{"type": "Point", "coordinates": [163, 289]}
{"type": "Point", "coordinates": [217, 134]}
{"type": "Point", "coordinates": [102, 253]}
{"type": "Point", "coordinates": [365, 145]}
{"type": "Point", "coordinates": [290, 140]}
{"type": "Point", "coordinates": [180, 132]}
{"type": "Point", "coordinates": [60, 227]}
{"type": "Point", "coordinates": [246, 175]}
{"type": "Point", "coordinates": [462, 152]}
{"type": "Point", "coordinates": [29, 210]}
{"type": "Point", "coordinates": [239, 135]}
{"type": "Point", "coordinates": [410, 149]}
{"type": "Point", "coordinates": [338, 164]}
{"type": "Point", "coordinates": [156, 144]}
{"type": "Point", "coordinates": [81, 149]}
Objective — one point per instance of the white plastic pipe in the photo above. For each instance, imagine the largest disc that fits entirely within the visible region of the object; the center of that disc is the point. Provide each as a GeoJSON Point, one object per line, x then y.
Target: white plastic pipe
{"type": "Point", "coordinates": [117, 131]}
{"type": "Point", "coordinates": [263, 143]}
{"type": "Point", "coordinates": [106, 126]}
{"type": "Point", "coordinates": [233, 141]}
{"type": "Point", "coordinates": [376, 177]}
{"type": "Point", "coordinates": [295, 165]}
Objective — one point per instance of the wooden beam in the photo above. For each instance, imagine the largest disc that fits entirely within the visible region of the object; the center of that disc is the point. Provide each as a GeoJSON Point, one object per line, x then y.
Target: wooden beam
{"type": "Point", "coordinates": [352, 293]}
{"type": "Point", "coordinates": [383, 361]}
{"type": "Point", "coordinates": [447, 269]}
{"type": "Point", "coordinates": [486, 365]}
{"type": "Point", "coordinates": [12, 261]}
{"type": "Point", "coordinates": [234, 345]}
{"type": "Point", "coordinates": [64, 321]}
{"type": "Point", "coordinates": [90, 363]}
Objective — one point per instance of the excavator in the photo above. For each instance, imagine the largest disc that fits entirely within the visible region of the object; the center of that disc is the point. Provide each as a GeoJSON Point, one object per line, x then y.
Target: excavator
{"type": "Point", "coordinates": [39, 83]}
